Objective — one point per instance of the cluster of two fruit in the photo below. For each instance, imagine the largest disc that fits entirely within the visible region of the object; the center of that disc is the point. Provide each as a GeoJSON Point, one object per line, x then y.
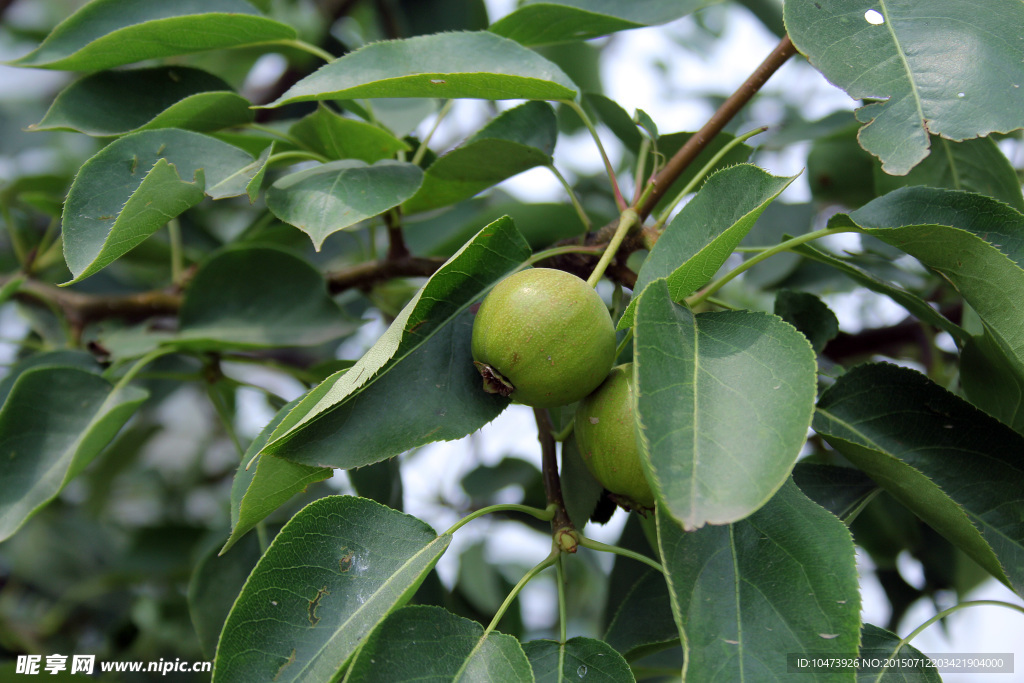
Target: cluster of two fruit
{"type": "Point", "coordinates": [544, 338]}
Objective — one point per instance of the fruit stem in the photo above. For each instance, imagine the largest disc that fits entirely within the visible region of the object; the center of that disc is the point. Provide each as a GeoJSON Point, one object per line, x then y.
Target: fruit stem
{"type": "Point", "coordinates": [946, 612]}
{"type": "Point", "coordinates": [619, 201]}
{"type": "Point", "coordinates": [751, 262]}
{"type": "Point", "coordinates": [545, 515]}
{"type": "Point", "coordinates": [544, 564]}
{"type": "Point", "coordinates": [605, 548]}
{"type": "Point", "coordinates": [572, 197]}
{"type": "Point", "coordinates": [627, 219]}
{"type": "Point", "coordinates": [703, 172]}
{"type": "Point", "coordinates": [417, 157]}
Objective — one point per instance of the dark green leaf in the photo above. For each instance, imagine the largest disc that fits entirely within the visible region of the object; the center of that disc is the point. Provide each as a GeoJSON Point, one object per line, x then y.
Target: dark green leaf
{"type": "Point", "coordinates": [958, 469]}
{"type": "Point", "coordinates": [258, 297]}
{"type": "Point", "coordinates": [330, 197]}
{"type": "Point", "coordinates": [486, 480]}
{"type": "Point", "coordinates": [447, 65]}
{"type": "Point", "coordinates": [972, 165]}
{"type": "Point", "coordinates": [843, 491]}
{"type": "Point", "coordinates": [443, 401]}
{"type": "Point", "coordinates": [106, 33]}
{"type": "Point", "coordinates": [517, 140]}
{"type": "Point", "coordinates": [700, 239]}
{"type": "Point", "coordinates": [118, 102]}
{"type": "Point", "coordinates": [724, 401]}
{"type": "Point", "coordinates": [991, 381]}
{"type": "Point", "coordinates": [941, 67]}
{"type": "Point", "coordinates": [840, 171]}
{"type": "Point", "coordinates": [580, 491]}
{"type": "Point", "coordinates": [422, 642]}
{"type": "Point", "coordinates": [809, 314]}
{"type": "Point", "coordinates": [337, 137]}
{"type": "Point", "coordinates": [266, 485]}
{"type": "Point", "coordinates": [133, 186]}
{"type": "Point", "coordinates": [783, 581]}
{"type": "Point", "coordinates": [495, 251]}
{"type": "Point", "coordinates": [878, 643]}
{"type": "Point", "coordinates": [380, 481]}
{"type": "Point", "coordinates": [539, 22]}
{"type": "Point", "coordinates": [975, 242]}
{"type": "Point", "coordinates": [215, 583]}
{"type": "Point", "coordinates": [54, 422]}
{"type": "Point", "coordinates": [330, 576]}
{"type": "Point", "coordinates": [577, 659]}
{"type": "Point", "coordinates": [643, 622]}
{"type": "Point", "coordinates": [917, 306]}
{"type": "Point", "coordinates": [64, 358]}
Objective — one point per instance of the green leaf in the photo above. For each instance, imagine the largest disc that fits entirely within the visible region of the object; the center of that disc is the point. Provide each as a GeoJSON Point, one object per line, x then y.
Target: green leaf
{"type": "Point", "coordinates": [54, 422]}
{"type": "Point", "coordinates": [541, 22]}
{"type": "Point", "coordinates": [580, 491]}
{"type": "Point", "coordinates": [446, 65]}
{"type": "Point", "coordinates": [971, 165]}
{"type": "Point", "coordinates": [338, 137]}
{"type": "Point", "coordinates": [380, 481]}
{"type": "Point", "coordinates": [261, 489]}
{"type": "Point", "coordinates": [258, 297]}
{"type": "Point", "coordinates": [956, 468]}
{"type": "Point", "coordinates": [724, 401]}
{"type": "Point", "coordinates": [991, 381]}
{"type": "Point", "coordinates": [809, 314]}
{"type": "Point", "coordinates": [517, 140]}
{"type": "Point", "coordinates": [878, 643]}
{"type": "Point", "coordinates": [118, 102]}
{"type": "Point", "coordinates": [133, 186]}
{"type": "Point", "coordinates": [941, 67]}
{"type": "Point", "coordinates": [706, 231]}
{"type": "Point", "coordinates": [331, 575]}
{"type": "Point", "coordinates": [843, 491]}
{"type": "Point", "coordinates": [246, 180]}
{"type": "Point", "coordinates": [106, 33]}
{"type": "Point", "coordinates": [215, 583]}
{"type": "Point", "coordinates": [783, 581]}
{"type": "Point", "coordinates": [487, 258]}
{"type": "Point", "coordinates": [975, 242]}
{"type": "Point", "coordinates": [577, 659]}
{"type": "Point", "coordinates": [448, 403]}
{"type": "Point", "coordinates": [62, 358]}
{"type": "Point", "coordinates": [643, 622]}
{"type": "Point", "coordinates": [917, 306]}
{"type": "Point", "coordinates": [839, 170]}
{"type": "Point", "coordinates": [334, 196]}
{"type": "Point", "coordinates": [423, 642]}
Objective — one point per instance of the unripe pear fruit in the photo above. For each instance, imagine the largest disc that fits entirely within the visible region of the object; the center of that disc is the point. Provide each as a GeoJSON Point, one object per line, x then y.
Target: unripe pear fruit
{"type": "Point", "coordinates": [608, 440]}
{"type": "Point", "coordinates": [544, 338]}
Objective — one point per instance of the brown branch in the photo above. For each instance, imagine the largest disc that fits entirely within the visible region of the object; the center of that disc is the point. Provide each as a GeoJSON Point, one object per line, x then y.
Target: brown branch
{"type": "Point", "coordinates": [561, 526]}
{"type": "Point", "coordinates": [699, 140]}
{"type": "Point", "coordinates": [365, 275]}
{"type": "Point", "coordinates": [396, 240]}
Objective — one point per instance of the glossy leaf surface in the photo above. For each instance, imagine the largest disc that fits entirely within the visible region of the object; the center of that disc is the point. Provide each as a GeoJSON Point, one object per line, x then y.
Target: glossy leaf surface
{"type": "Point", "coordinates": [577, 659]}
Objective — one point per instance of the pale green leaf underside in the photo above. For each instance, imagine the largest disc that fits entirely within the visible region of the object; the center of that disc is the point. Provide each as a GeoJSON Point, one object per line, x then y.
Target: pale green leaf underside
{"type": "Point", "coordinates": [325, 199]}
{"type": "Point", "coordinates": [445, 65]}
{"type": "Point", "coordinates": [539, 22]}
{"type": "Point", "coordinates": [782, 581]}
{"type": "Point", "coordinates": [53, 423]}
{"type": "Point", "coordinates": [947, 67]}
{"type": "Point", "coordinates": [724, 402]}
{"type": "Point", "coordinates": [331, 575]}
{"type": "Point", "coordinates": [133, 186]}
{"type": "Point", "coordinates": [107, 33]}
{"type": "Point", "coordinates": [958, 469]}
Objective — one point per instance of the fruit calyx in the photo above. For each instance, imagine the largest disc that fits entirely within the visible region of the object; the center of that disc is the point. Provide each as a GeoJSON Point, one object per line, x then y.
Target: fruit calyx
{"type": "Point", "coordinates": [494, 383]}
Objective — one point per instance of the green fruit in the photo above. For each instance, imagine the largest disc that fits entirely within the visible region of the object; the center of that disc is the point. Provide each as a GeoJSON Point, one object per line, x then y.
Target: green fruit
{"type": "Point", "coordinates": [544, 338]}
{"type": "Point", "coordinates": [608, 440]}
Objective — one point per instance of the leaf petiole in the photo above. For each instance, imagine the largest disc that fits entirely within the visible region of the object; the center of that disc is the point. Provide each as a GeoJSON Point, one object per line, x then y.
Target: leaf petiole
{"type": "Point", "coordinates": [544, 515]}
{"type": "Point", "coordinates": [605, 548]}
{"type": "Point", "coordinates": [544, 564]}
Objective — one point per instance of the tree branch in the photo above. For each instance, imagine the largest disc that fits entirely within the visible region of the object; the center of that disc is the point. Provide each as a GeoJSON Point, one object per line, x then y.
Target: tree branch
{"type": "Point", "coordinates": [699, 140]}
{"type": "Point", "coordinates": [561, 526]}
